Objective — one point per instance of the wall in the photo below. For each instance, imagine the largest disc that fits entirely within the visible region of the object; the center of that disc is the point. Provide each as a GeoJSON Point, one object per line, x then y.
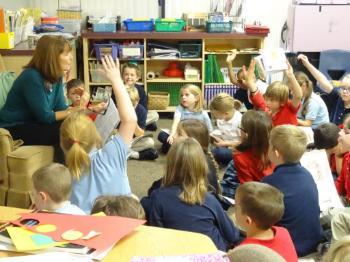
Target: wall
{"type": "Point", "coordinates": [14, 4]}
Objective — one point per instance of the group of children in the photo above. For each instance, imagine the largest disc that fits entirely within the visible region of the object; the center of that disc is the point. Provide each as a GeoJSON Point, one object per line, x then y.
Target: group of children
{"type": "Point", "coordinates": [276, 199]}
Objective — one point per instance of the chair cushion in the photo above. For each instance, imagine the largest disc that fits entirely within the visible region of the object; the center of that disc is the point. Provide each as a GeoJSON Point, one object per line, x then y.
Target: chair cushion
{"type": "Point", "coordinates": [18, 198]}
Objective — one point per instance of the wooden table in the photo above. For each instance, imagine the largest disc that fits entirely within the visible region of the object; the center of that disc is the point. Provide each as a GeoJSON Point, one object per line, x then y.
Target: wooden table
{"type": "Point", "coordinates": [143, 241]}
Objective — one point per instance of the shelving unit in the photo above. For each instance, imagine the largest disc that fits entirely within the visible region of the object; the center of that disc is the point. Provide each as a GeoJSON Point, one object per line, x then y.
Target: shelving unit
{"type": "Point", "coordinates": [211, 43]}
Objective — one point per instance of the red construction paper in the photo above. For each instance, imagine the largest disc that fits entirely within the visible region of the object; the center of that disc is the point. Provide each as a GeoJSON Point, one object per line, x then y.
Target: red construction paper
{"type": "Point", "coordinates": [112, 228]}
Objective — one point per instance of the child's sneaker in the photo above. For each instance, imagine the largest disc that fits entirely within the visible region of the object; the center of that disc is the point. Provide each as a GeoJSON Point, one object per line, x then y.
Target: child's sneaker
{"type": "Point", "coordinates": [148, 154]}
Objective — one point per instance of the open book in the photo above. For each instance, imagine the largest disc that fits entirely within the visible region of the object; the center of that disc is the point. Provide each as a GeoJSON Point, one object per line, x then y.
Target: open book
{"type": "Point", "coordinates": [271, 60]}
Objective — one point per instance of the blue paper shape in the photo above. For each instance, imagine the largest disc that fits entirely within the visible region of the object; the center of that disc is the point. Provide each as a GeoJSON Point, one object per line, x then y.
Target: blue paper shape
{"type": "Point", "coordinates": [39, 239]}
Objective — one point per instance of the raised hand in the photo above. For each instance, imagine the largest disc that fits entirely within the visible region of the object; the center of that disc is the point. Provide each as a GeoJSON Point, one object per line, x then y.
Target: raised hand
{"type": "Point", "coordinates": [303, 59]}
{"type": "Point", "coordinates": [111, 68]}
{"type": "Point", "coordinates": [289, 70]}
{"type": "Point", "coordinates": [231, 56]}
{"type": "Point", "coordinates": [249, 76]}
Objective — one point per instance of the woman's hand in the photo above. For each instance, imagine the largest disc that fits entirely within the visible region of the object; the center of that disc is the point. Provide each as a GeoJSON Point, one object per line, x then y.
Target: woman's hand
{"type": "Point", "coordinates": [111, 68]}
{"type": "Point", "coordinates": [98, 108]}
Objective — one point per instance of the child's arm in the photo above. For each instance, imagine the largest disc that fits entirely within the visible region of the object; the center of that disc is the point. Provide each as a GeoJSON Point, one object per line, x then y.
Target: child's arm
{"type": "Point", "coordinates": [321, 78]}
{"type": "Point", "coordinates": [229, 60]}
{"type": "Point", "coordinates": [306, 122]}
{"type": "Point", "coordinates": [224, 143]}
{"type": "Point", "coordinates": [126, 110]}
{"type": "Point", "coordinates": [295, 88]}
{"type": "Point", "coordinates": [177, 118]}
{"type": "Point", "coordinates": [139, 131]}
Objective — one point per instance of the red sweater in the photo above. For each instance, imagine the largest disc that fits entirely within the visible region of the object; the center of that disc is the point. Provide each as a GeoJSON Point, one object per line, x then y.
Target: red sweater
{"type": "Point", "coordinates": [281, 244]}
{"type": "Point", "coordinates": [287, 114]}
{"type": "Point", "coordinates": [249, 167]}
{"type": "Point", "coordinates": [343, 181]}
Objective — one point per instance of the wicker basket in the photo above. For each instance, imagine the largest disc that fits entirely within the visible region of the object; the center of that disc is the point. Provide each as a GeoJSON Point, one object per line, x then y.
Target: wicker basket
{"type": "Point", "coordinates": [158, 100]}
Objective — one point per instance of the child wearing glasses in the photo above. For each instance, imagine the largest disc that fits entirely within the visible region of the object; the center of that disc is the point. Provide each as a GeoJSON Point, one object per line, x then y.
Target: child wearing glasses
{"type": "Point", "coordinates": [339, 98]}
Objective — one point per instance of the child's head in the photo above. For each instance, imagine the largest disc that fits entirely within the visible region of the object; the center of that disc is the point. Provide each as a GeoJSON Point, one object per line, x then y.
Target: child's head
{"type": "Point", "coordinates": [78, 136]}
{"type": "Point", "coordinates": [134, 95]}
{"type": "Point", "coordinates": [287, 144]}
{"type": "Point", "coordinates": [187, 167]}
{"type": "Point", "coordinates": [326, 136]}
{"type": "Point", "coordinates": [51, 186]}
{"type": "Point", "coordinates": [339, 251]}
{"type": "Point", "coordinates": [191, 97]}
{"type": "Point", "coordinates": [196, 129]}
{"type": "Point", "coordinates": [123, 206]}
{"type": "Point", "coordinates": [72, 95]}
{"type": "Point", "coordinates": [255, 131]}
{"type": "Point", "coordinates": [276, 95]}
{"type": "Point", "coordinates": [223, 106]}
{"type": "Point", "coordinates": [258, 205]}
{"type": "Point", "coordinates": [305, 83]}
{"type": "Point", "coordinates": [253, 253]}
{"type": "Point", "coordinates": [130, 73]}
{"type": "Point", "coordinates": [345, 89]}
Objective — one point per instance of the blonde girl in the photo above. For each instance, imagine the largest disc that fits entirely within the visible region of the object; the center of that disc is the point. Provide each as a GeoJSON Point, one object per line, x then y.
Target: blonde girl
{"type": "Point", "coordinates": [224, 108]}
{"type": "Point", "coordinates": [182, 202]}
{"type": "Point", "coordinates": [191, 107]}
{"type": "Point", "coordinates": [313, 111]}
{"type": "Point", "coordinates": [103, 171]}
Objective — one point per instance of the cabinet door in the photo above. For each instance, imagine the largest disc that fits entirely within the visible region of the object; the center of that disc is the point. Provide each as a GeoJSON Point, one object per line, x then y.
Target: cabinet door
{"type": "Point", "coordinates": [321, 27]}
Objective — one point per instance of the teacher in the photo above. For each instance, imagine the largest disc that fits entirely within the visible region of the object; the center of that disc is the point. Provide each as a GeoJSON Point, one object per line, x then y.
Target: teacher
{"type": "Point", "coordinates": [35, 105]}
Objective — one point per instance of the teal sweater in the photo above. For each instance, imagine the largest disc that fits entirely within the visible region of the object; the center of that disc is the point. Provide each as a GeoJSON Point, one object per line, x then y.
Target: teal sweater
{"type": "Point", "coordinates": [31, 101]}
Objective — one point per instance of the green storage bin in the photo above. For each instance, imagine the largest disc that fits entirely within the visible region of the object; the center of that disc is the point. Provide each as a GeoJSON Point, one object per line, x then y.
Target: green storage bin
{"type": "Point", "coordinates": [169, 25]}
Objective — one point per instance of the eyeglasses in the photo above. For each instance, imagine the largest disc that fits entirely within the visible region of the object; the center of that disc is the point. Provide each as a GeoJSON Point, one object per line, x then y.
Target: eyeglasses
{"type": "Point", "coordinates": [345, 89]}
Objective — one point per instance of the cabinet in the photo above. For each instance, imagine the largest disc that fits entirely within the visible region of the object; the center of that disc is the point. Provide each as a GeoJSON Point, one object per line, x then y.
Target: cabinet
{"type": "Point", "coordinates": [211, 43]}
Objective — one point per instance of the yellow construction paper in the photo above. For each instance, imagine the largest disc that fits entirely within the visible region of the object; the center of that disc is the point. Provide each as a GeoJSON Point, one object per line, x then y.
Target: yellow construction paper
{"type": "Point", "coordinates": [22, 240]}
{"type": "Point", "coordinates": [46, 228]}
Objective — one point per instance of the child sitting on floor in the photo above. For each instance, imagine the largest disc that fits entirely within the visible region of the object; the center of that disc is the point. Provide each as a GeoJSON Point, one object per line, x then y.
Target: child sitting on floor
{"type": "Point", "coordinates": [52, 188]}
{"type": "Point", "coordinates": [123, 206]}
{"type": "Point", "coordinates": [302, 211]}
{"type": "Point", "coordinates": [258, 208]}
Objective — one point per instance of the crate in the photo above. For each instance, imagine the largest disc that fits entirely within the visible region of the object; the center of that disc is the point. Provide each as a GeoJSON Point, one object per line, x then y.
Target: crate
{"type": "Point", "coordinates": [195, 21]}
{"type": "Point", "coordinates": [98, 76]}
{"type": "Point", "coordinates": [132, 51]}
{"type": "Point", "coordinates": [219, 27]}
{"type": "Point", "coordinates": [138, 25]}
{"type": "Point", "coordinates": [69, 14]}
{"type": "Point", "coordinates": [104, 27]}
{"type": "Point", "coordinates": [106, 49]}
{"type": "Point", "coordinates": [190, 50]}
{"type": "Point", "coordinates": [169, 25]}
{"type": "Point", "coordinates": [158, 100]}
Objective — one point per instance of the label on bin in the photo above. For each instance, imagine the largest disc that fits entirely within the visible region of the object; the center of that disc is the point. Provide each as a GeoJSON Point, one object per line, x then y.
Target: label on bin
{"type": "Point", "coordinates": [131, 51]}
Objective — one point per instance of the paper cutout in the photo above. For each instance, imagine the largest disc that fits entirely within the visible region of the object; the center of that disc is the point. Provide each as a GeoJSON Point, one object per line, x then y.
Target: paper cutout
{"type": "Point", "coordinates": [40, 240]}
{"type": "Point", "coordinates": [71, 235]}
{"type": "Point", "coordinates": [29, 222]}
{"type": "Point", "coordinates": [22, 240]}
{"type": "Point", "coordinates": [46, 228]}
{"type": "Point", "coordinates": [91, 234]}
{"type": "Point", "coordinates": [112, 228]}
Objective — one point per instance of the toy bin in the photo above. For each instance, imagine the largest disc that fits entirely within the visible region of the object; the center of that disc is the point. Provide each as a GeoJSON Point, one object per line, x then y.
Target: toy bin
{"type": "Point", "coordinates": [190, 50]}
{"type": "Point", "coordinates": [131, 51]}
{"type": "Point", "coordinates": [169, 25]}
{"type": "Point", "coordinates": [138, 25]}
{"type": "Point", "coordinates": [104, 27]}
{"type": "Point", "coordinates": [219, 27]}
{"type": "Point", "coordinates": [106, 49]}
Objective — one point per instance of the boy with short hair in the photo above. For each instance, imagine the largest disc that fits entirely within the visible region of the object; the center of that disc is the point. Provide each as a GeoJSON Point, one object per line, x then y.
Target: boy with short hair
{"type": "Point", "coordinates": [302, 211]}
{"type": "Point", "coordinates": [52, 188]}
{"type": "Point", "coordinates": [258, 208]}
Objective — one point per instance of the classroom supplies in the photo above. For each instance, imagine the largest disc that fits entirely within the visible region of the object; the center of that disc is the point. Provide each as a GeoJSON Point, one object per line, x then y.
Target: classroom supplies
{"type": "Point", "coordinates": [7, 40]}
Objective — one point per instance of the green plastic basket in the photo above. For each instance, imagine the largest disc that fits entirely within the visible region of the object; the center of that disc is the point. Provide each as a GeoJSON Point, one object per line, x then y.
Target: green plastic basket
{"type": "Point", "coordinates": [169, 25]}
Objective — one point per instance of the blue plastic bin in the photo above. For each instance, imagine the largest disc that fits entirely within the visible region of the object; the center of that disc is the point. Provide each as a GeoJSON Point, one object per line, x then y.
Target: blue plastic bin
{"type": "Point", "coordinates": [138, 26]}
{"type": "Point", "coordinates": [106, 49]}
{"type": "Point", "coordinates": [102, 27]}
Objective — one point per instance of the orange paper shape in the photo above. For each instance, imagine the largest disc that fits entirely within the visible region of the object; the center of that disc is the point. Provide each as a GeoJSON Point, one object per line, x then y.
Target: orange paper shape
{"type": "Point", "coordinates": [112, 228]}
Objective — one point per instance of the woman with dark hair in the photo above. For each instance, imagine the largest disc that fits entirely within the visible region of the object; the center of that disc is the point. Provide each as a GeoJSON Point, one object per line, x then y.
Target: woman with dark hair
{"type": "Point", "coordinates": [36, 104]}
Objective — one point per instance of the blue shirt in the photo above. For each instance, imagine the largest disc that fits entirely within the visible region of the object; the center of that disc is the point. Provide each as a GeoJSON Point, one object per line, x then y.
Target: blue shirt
{"type": "Point", "coordinates": [183, 113]}
{"type": "Point", "coordinates": [30, 100]}
{"type": "Point", "coordinates": [316, 111]}
{"type": "Point", "coordinates": [167, 210]}
{"type": "Point", "coordinates": [301, 206]}
{"type": "Point", "coordinates": [107, 175]}
{"type": "Point", "coordinates": [68, 208]}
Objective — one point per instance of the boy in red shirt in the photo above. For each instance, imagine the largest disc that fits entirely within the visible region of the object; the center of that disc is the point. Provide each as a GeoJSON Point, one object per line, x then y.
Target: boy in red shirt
{"type": "Point", "coordinates": [258, 207]}
{"type": "Point", "coordinates": [275, 101]}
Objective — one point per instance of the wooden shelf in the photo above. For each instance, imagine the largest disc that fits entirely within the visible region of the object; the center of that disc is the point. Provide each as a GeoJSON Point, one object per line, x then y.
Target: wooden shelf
{"type": "Point", "coordinates": [172, 79]}
{"type": "Point", "coordinates": [168, 109]}
{"type": "Point", "coordinates": [100, 84]}
{"type": "Point", "coordinates": [95, 59]}
{"type": "Point", "coordinates": [228, 53]}
{"type": "Point", "coordinates": [174, 59]}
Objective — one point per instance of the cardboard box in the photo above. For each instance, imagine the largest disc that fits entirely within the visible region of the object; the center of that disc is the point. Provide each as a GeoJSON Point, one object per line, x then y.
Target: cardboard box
{"type": "Point", "coordinates": [7, 40]}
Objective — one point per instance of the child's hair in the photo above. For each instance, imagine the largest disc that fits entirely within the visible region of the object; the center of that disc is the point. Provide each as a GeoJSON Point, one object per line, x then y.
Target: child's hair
{"type": "Point", "coordinates": [262, 202]}
{"type": "Point", "coordinates": [133, 66]}
{"type": "Point", "coordinates": [223, 103]}
{"type": "Point", "coordinates": [277, 91]}
{"type": "Point", "coordinates": [134, 95]}
{"type": "Point", "coordinates": [199, 131]}
{"type": "Point", "coordinates": [253, 253]}
{"type": "Point", "coordinates": [257, 125]}
{"type": "Point", "coordinates": [302, 78]}
{"type": "Point", "coordinates": [339, 251]}
{"type": "Point", "coordinates": [326, 136]}
{"type": "Point", "coordinates": [187, 167]}
{"type": "Point", "coordinates": [123, 206]}
{"type": "Point", "coordinates": [196, 91]}
{"type": "Point", "coordinates": [78, 135]}
{"type": "Point", "coordinates": [55, 180]}
{"type": "Point", "coordinates": [290, 141]}
{"type": "Point", "coordinates": [74, 83]}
